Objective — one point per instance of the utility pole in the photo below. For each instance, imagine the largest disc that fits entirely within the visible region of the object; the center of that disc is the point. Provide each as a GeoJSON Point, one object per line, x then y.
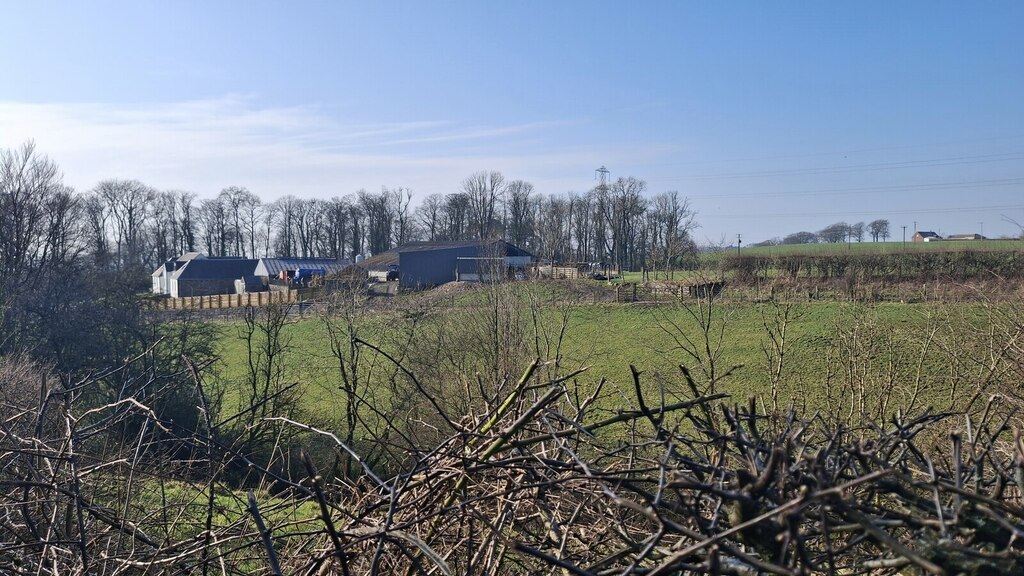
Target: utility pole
{"type": "Point", "coordinates": [900, 260]}
{"type": "Point", "coordinates": [982, 224]}
{"type": "Point", "coordinates": [602, 177]}
{"type": "Point", "coordinates": [915, 226]}
{"type": "Point", "coordinates": [602, 185]}
{"type": "Point", "coordinates": [739, 242]}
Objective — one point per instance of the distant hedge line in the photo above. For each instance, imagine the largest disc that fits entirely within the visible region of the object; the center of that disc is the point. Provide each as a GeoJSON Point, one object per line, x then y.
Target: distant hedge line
{"type": "Point", "coordinates": [957, 265]}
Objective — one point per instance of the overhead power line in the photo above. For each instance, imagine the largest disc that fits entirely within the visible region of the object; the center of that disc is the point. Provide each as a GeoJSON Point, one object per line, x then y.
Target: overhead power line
{"type": "Point", "coordinates": [929, 187]}
{"type": "Point", "coordinates": [934, 162]}
{"type": "Point", "coordinates": [960, 143]}
{"type": "Point", "coordinates": [950, 210]}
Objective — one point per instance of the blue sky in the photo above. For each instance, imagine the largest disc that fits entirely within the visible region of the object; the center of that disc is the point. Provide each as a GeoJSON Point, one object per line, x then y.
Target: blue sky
{"type": "Point", "coordinates": [772, 117]}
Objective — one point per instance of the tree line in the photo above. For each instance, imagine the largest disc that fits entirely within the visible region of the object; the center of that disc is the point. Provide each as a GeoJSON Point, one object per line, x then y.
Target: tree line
{"type": "Point", "coordinates": [878, 230]}
{"type": "Point", "coordinates": [68, 296]}
{"type": "Point", "coordinates": [83, 256]}
{"type": "Point", "coordinates": [123, 224]}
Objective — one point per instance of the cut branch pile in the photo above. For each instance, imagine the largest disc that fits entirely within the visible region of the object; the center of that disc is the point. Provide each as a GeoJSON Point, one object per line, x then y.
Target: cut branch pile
{"type": "Point", "coordinates": [542, 482]}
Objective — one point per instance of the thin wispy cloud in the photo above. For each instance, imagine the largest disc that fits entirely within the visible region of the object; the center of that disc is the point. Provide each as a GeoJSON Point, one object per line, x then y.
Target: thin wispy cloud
{"type": "Point", "coordinates": [472, 134]}
{"type": "Point", "coordinates": [204, 145]}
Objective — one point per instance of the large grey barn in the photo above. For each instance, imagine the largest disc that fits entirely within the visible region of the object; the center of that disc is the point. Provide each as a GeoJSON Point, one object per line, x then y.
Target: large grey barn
{"type": "Point", "coordinates": [426, 264]}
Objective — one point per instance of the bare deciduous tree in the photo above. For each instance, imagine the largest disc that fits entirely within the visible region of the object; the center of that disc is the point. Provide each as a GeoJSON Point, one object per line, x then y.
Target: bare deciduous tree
{"type": "Point", "coordinates": [214, 223]}
{"type": "Point", "coordinates": [879, 229]}
{"type": "Point", "coordinates": [670, 222]}
{"type": "Point", "coordinates": [428, 215]}
{"type": "Point", "coordinates": [403, 228]}
{"type": "Point", "coordinates": [800, 238]}
{"type": "Point", "coordinates": [33, 201]}
{"type": "Point", "coordinates": [520, 225]}
{"type": "Point", "coordinates": [338, 226]}
{"type": "Point", "coordinates": [838, 232]}
{"type": "Point", "coordinates": [622, 206]}
{"type": "Point", "coordinates": [484, 191]}
{"type": "Point", "coordinates": [455, 215]}
{"type": "Point", "coordinates": [186, 208]}
{"type": "Point", "coordinates": [553, 230]}
{"type": "Point", "coordinates": [164, 228]}
{"type": "Point", "coordinates": [857, 231]}
{"type": "Point", "coordinates": [285, 210]}
{"type": "Point", "coordinates": [130, 203]}
{"type": "Point", "coordinates": [379, 211]}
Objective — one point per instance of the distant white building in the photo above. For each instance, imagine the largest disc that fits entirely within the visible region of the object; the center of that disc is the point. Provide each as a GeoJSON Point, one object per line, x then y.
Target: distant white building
{"type": "Point", "coordinates": [193, 274]}
{"type": "Point", "coordinates": [210, 276]}
{"type": "Point", "coordinates": [162, 275]}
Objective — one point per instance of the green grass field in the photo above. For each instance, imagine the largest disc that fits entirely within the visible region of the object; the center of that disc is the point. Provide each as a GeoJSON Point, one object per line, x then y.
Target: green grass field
{"type": "Point", "coordinates": [831, 347]}
{"type": "Point", "coordinates": [885, 247]}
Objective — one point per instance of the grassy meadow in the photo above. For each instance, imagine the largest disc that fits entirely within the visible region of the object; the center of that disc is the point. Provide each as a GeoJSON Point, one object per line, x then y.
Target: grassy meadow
{"type": "Point", "coordinates": [714, 260]}
{"type": "Point", "coordinates": [884, 247]}
{"type": "Point", "coordinates": [833, 352]}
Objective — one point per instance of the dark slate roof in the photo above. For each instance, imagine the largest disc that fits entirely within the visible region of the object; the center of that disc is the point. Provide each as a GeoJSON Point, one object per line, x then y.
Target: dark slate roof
{"type": "Point", "coordinates": [928, 234]}
{"type": "Point", "coordinates": [216, 269]}
{"type": "Point", "coordinates": [173, 263]}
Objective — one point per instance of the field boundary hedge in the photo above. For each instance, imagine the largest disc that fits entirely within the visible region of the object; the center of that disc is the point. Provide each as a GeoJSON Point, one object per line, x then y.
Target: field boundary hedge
{"type": "Point", "coordinates": [954, 265]}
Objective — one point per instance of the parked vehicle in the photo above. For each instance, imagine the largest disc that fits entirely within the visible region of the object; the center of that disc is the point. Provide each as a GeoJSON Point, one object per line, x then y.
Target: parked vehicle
{"type": "Point", "coordinates": [303, 276]}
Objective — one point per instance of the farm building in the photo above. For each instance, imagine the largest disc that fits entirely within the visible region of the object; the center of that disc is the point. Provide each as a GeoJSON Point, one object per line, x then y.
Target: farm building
{"type": "Point", "coordinates": [162, 275]}
{"type": "Point", "coordinates": [208, 276]}
{"type": "Point", "coordinates": [426, 264]}
{"type": "Point", "coordinates": [965, 237]}
{"type": "Point", "coordinates": [925, 236]}
{"type": "Point", "coordinates": [272, 267]}
{"type": "Point", "coordinates": [376, 267]}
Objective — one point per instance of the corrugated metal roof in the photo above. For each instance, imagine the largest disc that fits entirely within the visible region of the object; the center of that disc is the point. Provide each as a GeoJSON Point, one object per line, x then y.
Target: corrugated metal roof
{"type": "Point", "coordinates": [423, 246]}
{"type": "Point", "coordinates": [273, 266]}
{"type": "Point", "coordinates": [499, 246]}
{"type": "Point", "coordinates": [381, 261]}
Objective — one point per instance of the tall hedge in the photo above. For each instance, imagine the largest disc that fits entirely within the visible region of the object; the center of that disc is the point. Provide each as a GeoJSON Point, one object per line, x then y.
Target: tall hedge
{"type": "Point", "coordinates": [957, 265]}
